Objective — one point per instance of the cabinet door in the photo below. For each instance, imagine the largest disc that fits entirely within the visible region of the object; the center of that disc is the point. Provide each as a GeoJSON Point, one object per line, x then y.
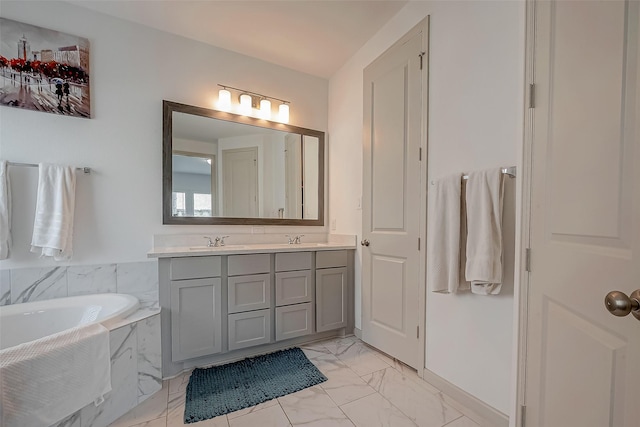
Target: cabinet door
{"type": "Point", "coordinates": [294, 321]}
{"type": "Point", "coordinates": [248, 293]}
{"type": "Point", "coordinates": [293, 287]}
{"type": "Point", "coordinates": [331, 298]}
{"type": "Point", "coordinates": [249, 329]}
{"type": "Point", "coordinates": [196, 320]}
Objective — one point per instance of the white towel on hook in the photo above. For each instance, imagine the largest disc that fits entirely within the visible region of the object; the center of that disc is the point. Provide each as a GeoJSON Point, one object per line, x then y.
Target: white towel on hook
{"type": "Point", "coordinates": [446, 237]}
{"type": "Point", "coordinates": [55, 205]}
{"type": "Point", "coordinates": [484, 196]}
{"type": "Point", "coordinates": [5, 211]}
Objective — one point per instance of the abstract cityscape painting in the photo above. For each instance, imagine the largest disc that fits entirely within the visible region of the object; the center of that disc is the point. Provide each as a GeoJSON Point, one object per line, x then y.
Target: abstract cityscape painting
{"type": "Point", "coordinates": [44, 70]}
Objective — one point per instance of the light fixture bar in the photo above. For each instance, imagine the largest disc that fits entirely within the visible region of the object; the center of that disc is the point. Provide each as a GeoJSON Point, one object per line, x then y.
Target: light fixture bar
{"type": "Point", "coordinates": [254, 93]}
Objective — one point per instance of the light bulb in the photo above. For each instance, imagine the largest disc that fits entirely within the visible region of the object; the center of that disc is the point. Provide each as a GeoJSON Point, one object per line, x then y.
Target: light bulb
{"type": "Point", "coordinates": [265, 109]}
{"type": "Point", "coordinates": [224, 100]}
{"type": "Point", "coordinates": [283, 113]}
{"type": "Point", "coordinates": [245, 104]}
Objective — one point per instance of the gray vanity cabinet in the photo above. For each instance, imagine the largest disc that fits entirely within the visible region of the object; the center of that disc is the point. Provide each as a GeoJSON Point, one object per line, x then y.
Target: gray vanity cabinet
{"type": "Point", "coordinates": [331, 290]}
{"type": "Point", "coordinates": [294, 295]}
{"type": "Point", "coordinates": [218, 308]}
{"type": "Point", "coordinates": [249, 300]}
{"type": "Point", "coordinates": [196, 307]}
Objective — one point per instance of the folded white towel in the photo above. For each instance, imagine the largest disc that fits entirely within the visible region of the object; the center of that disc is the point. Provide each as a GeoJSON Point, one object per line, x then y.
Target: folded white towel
{"type": "Point", "coordinates": [446, 237]}
{"type": "Point", "coordinates": [46, 380]}
{"type": "Point", "coordinates": [484, 196]}
{"type": "Point", "coordinates": [55, 205]}
{"type": "Point", "coordinates": [5, 211]}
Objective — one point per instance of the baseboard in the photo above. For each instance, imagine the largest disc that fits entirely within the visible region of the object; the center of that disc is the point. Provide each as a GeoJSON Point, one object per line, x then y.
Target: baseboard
{"type": "Point", "coordinates": [357, 332]}
{"type": "Point", "coordinates": [469, 405]}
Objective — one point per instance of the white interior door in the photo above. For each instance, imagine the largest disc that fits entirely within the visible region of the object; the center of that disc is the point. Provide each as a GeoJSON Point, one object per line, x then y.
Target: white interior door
{"type": "Point", "coordinates": [240, 182]}
{"type": "Point", "coordinates": [392, 200]}
{"type": "Point", "coordinates": [583, 364]}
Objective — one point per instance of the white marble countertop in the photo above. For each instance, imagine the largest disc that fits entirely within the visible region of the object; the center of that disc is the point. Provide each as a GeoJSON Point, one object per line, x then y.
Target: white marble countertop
{"type": "Point", "coordinates": [181, 246]}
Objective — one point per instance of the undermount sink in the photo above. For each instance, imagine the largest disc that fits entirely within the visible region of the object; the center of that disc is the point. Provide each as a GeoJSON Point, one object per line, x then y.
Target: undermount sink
{"type": "Point", "coordinates": [217, 248]}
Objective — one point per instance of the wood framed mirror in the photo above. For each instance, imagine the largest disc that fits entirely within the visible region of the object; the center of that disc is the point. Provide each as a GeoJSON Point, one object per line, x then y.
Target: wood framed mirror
{"type": "Point", "coordinates": [225, 168]}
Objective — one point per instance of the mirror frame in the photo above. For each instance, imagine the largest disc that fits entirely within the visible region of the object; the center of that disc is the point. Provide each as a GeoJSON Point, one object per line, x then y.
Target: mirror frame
{"type": "Point", "coordinates": [169, 107]}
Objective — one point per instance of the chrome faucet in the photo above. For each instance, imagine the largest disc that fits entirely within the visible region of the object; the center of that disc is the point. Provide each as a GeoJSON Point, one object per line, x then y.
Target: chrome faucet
{"type": "Point", "coordinates": [217, 242]}
{"type": "Point", "coordinates": [295, 240]}
{"type": "Point", "coordinates": [210, 244]}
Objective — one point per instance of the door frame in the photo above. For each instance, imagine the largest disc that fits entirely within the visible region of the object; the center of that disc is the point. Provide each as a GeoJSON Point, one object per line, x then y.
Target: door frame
{"type": "Point", "coordinates": [523, 229]}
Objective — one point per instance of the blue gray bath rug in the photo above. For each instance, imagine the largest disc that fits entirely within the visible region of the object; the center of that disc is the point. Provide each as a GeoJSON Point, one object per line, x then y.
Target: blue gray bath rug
{"type": "Point", "coordinates": [222, 389]}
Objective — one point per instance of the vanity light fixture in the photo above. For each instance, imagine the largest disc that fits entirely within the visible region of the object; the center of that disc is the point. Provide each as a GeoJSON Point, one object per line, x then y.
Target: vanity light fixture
{"type": "Point", "coordinates": [245, 104]}
{"type": "Point", "coordinates": [224, 100]}
{"type": "Point", "coordinates": [253, 104]}
{"type": "Point", "coordinates": [265, 109]}
{"type": "Point", "coordinates": [283, 113]}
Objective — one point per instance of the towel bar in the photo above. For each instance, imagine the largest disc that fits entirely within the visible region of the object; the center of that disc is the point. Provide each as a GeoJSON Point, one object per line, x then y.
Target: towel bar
{"type": "Point", "coordinates": [33, 165]}
{"type": "Point", "coordinates": [510, 172]}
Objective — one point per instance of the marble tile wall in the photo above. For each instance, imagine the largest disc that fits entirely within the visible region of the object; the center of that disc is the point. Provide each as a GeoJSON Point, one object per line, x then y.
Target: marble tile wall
{"type": "Point", "coordinates": [34, 284]}
{"type": "Point", "coordinates": [135, 374]}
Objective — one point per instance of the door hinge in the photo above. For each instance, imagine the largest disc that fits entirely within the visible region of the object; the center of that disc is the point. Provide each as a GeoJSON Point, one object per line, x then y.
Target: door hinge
{"type": "Point", "coordinates": [527, 260]}
{"type": "Point", "coordinates": [418, 243]}
{"type": "Point", "coordinates": [421, 55]}
{"type": "Point", "coordinates": [532, 95]}
{"type": "Point", "coordinates": [418, 331]}
{"type": "Point", "coordinates": [420, 154]}
{"type": "Point", "coordinates": [523, 415]}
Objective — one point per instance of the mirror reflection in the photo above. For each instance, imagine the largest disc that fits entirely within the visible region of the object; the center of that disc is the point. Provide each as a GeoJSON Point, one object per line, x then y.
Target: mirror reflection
{"type": "Point", "coordinates": [243, 173]}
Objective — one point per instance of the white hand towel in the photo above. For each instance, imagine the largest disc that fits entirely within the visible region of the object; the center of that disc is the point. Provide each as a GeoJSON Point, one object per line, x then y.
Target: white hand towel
{"type": "Point", "coordinates": [5, 211]}
{"type": "Point", "coordinates": [446, 237]}
{"type": "Point", "coordinates": [55, 205]}
{"type": "Point", "coordinates": [46, 380]}
{"type": "Point", "coordinates": [484, 196]}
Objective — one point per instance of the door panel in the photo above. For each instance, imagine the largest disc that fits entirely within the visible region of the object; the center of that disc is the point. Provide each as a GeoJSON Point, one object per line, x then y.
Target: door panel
{"type": "Point", "coordinates": [582, 365]}
{"type": "Point", "coordinates": [388, 303]}
{"type": "Point", "coordinates": [393, 202]}
{"type": "Point", "coordinates": [388, 190]}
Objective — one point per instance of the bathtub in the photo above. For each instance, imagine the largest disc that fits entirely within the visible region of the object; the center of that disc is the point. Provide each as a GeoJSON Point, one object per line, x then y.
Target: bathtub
{"type": "Point", "coordinates": [20, 323]}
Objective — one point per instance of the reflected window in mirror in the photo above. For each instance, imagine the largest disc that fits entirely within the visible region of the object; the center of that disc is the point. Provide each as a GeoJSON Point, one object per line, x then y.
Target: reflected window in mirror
{"type": "Point", "coordinates": [222, 168]}
{"type": "Point", "coordinates": [194, 184]}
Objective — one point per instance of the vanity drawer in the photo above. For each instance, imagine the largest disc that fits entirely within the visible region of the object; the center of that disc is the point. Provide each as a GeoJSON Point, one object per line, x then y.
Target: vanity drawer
{"type": "Point", "coordinates": [249, 329]}
{"type": "Point", "coordinates": [293, 287]}
{"type": "Point", "coordinates": [195, 267]}
{"type": "Point", "coordinates": [294, 321]}
{"type": "Point", "coordinates": [328, 259]}
{"type": "Point", "coordinates": [290, 261]}
{"type": "Point", "coordinates": [247, 293]}
{"type": "Point", "coordinates": [248, 264]}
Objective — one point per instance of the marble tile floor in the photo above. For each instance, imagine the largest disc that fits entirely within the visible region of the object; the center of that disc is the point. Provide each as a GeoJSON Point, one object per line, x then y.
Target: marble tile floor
{"type": "Point", "coordinates": [364, 388]}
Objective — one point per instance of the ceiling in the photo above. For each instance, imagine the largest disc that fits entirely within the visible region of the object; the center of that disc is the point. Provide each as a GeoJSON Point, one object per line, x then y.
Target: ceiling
{"type": "Point", "coordinates": [311, 36]}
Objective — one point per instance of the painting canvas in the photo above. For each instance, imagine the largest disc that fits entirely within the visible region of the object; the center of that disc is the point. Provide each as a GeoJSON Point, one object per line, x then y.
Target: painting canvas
{"type": "Point", "coordinates": [44, 70]}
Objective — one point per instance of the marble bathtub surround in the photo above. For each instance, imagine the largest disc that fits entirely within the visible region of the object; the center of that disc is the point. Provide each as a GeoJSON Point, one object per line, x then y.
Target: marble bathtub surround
{"type": "Point", "coordinates": [135, 374]}
{"type": "Point", "coordinates": [5, 287]}
{"type": "Point", "coordinates": [35, 284]}
{"type": "Point", "coordinates": [394, 396]}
